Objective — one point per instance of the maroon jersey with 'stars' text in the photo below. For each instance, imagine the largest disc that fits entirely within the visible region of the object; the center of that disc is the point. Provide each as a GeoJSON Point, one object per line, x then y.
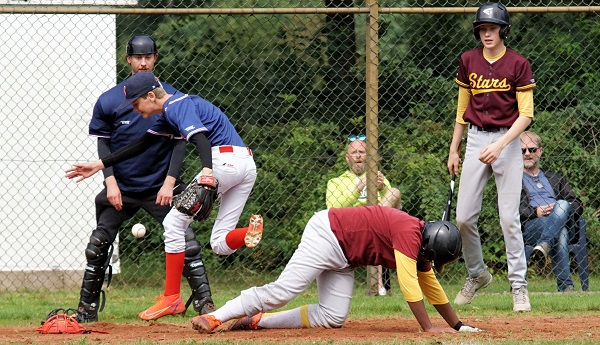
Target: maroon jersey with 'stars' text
{"type": "Point", "coordinates": [493, 86]}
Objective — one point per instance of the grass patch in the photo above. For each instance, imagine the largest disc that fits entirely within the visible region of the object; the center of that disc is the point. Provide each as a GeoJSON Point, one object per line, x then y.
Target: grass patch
{"type": "Point", "coordinates": [29, 308]}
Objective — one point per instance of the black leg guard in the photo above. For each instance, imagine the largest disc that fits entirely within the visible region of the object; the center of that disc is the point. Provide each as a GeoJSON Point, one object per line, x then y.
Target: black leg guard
{"type": "Point", "coordinates": [97, 255]}
{"type": "Point", "coordinates": [195, 274]}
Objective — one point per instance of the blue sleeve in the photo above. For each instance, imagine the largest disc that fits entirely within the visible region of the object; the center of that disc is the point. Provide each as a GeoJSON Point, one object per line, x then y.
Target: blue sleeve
{"type": "Point", "coordinates": [101, 124]}
{"type": "Point", "coordinates": [185, 118]}
{"type": "Point", "coordinates": [164, 127]}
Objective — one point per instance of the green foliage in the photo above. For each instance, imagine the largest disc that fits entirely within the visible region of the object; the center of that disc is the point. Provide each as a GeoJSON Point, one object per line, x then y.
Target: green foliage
{"type": "Point", "coordinates": [562, 65]}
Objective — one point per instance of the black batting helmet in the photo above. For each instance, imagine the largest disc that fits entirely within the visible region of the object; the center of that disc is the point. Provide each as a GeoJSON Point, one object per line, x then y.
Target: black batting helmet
{"type": "Point", "coordinates": [492, 13]}
{"type": "Point", "coordinates": [141, 44]}
{"type": "Point", "coordinates": [441, 243]}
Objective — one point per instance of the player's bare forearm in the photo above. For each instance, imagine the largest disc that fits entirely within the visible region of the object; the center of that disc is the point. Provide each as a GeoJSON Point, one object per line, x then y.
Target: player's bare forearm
{"type": "Point", "coordinates": [418, 310]}
{"type": "Point", "coordinates": [206, 172]}
{"type": "Point", "coordinates": [490, 153]}
{"type": "Point", "coordinates": [453, 321]}
{"type": "Point", "coordinates": [516, 129]}
{"type": "Point", "coordinates": [113, 193]}
{"type": "Point", "coordinates": [448, 313]}
{"type": "Point", "coordinates": [454, 153]}
{"type": "Point", "coordinates": [165, 194]}
{"type": "Point", "coordinates": [111, 181]}
{"type": "Point", "coordinates": [81, 171]}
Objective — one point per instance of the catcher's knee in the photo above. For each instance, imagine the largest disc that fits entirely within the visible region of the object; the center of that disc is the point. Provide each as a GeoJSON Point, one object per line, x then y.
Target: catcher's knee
{"type": "Point", "coordinates": [193, 248]}
{"type": "Point", "coordinates": [97, 249]}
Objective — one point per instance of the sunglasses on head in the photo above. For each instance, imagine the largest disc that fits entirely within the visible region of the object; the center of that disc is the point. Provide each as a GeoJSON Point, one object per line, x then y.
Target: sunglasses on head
{"type": "Point", "coordinates": [530, 149]}
{"type": "Point", "coordinates": [360, 137]}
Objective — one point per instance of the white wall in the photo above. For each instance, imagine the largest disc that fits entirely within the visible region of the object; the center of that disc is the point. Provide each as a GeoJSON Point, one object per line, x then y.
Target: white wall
{"type": "Point", "coordinates": [70, 2]}
{"type": "Point", "coordinates": [52, 70]}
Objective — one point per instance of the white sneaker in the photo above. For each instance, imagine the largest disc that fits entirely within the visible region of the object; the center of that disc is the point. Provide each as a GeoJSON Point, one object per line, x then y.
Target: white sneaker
{"type": "Point", "coordinates": [521, 299]}
{"type": "Point", "coordinates": [540, 258]}
{"type": "Point", "coordinates": [467, 293]}
{"type": "Point", "coordinates": [382, 291]}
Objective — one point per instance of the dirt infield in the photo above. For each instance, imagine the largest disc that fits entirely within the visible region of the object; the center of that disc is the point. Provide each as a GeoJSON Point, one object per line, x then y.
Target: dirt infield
{"type": "Point", "coordinates": [521, 327]}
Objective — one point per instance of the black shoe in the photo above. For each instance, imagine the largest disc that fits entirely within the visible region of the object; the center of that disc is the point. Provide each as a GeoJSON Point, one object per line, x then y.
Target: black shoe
{"type": "Point", "coordinates": [207, 308]}
{"type": "Point", "coordinates": [84, 316]}
{"type": "Point", "coordinates": [203, 306]}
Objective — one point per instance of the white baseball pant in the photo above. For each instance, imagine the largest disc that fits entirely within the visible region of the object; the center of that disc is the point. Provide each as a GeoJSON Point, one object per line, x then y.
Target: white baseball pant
{"type": "Point", "coordinates": [508, 174]}
{"type": "Point", "coordinates": [319, 257]}
{"type": "Point", "coordinates": [234, 168]}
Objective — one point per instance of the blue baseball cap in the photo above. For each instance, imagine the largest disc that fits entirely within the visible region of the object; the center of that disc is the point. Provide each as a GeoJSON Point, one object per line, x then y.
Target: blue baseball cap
{"type": "Point", "coordinates": [138, 85]}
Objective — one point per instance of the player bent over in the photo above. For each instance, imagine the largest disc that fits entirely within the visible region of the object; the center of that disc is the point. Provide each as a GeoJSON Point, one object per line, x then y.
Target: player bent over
{"type": "Point", "coordinates": [223, 155]}
{"type": "Point", "coordinates": [334, 242]}
{"type": "Point", "coordinates": [146, 182]}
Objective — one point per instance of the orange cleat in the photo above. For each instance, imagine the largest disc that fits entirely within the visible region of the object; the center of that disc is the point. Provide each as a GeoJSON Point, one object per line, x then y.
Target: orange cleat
{"type": "Point", "coordinates": [166, 305]}
{"type": "Point", "coordinates": [254, 233]}
{"type": "Point", "coordinates": [205, 323]}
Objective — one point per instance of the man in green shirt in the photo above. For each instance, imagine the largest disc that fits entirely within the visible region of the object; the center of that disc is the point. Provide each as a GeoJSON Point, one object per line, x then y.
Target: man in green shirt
{"type": "Point", "coordinates": [349, 190]}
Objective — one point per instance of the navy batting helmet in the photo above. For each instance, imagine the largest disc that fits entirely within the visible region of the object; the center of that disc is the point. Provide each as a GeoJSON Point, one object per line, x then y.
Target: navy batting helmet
{"type": "Point", "coordinates": [492, 13]}
{"type": "Point", "coordinates": [141, 44]}
{"type": "Point", "coordinates": [441, 243]}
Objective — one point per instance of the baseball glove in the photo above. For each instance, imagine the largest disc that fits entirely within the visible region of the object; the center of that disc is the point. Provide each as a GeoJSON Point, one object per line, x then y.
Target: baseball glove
{"type": "Point", "coordinates": [198, 198]}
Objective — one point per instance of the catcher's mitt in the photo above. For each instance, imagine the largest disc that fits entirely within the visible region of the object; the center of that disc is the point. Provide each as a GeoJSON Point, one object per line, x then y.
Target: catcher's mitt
{"type": "Point", "coordinates": [198, 198]}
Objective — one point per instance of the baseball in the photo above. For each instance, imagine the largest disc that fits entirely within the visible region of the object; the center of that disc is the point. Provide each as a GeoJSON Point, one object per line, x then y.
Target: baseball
{"type": "Point", "coordinates": [138, 230]}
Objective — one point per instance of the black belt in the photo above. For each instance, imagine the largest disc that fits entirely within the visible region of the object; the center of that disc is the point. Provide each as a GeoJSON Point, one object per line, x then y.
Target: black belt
{"type": "Point", "coordinates": [487, 129]}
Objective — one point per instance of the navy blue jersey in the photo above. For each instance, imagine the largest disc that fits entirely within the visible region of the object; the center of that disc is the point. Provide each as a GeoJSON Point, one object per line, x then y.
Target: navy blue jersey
{"type": "Point", "coordinates": [185, 115]}
{"type": "Point", "coordinates": [145, 171]}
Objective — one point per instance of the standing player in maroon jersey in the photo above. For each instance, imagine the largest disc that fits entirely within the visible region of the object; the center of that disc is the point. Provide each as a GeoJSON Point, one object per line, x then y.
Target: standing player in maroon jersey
{"type": "Point", "coordinates": [495, 100]}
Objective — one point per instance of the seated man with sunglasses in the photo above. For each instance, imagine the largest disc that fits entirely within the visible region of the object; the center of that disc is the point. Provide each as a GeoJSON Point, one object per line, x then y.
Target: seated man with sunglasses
{"type": "Point", "coordinates": [349, 190]}
{"type": "Point", "coordinates": [549, 211]}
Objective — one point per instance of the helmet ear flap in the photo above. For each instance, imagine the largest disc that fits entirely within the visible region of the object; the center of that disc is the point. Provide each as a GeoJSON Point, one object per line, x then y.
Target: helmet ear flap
{"type": "Point", "coordinates": [504, 30]}
{"type": "Point", "coordinates": [424, 245]}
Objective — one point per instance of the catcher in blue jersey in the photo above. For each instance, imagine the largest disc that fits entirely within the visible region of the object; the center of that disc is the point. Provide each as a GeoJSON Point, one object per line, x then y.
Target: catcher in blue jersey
{"type": "Point", "coordinates": [227, 168]}
{"type": "Point", "coordinates": [147, 181]}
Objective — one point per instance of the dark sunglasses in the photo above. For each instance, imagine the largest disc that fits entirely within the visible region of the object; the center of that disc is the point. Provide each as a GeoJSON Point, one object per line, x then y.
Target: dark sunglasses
{"type": "Point", "coordinates": [530, 149]}
{"type": "Point", "coordinates": [360, 137]}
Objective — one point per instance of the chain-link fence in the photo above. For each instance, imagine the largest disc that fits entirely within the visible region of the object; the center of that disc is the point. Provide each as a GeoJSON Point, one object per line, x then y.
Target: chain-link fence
{"type": "Point", "coordinates": [296, 78]}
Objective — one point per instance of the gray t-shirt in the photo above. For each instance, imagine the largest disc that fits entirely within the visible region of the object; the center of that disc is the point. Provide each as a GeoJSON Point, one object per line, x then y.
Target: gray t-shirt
{"type": "Point", "coordinates": [540, 190]}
